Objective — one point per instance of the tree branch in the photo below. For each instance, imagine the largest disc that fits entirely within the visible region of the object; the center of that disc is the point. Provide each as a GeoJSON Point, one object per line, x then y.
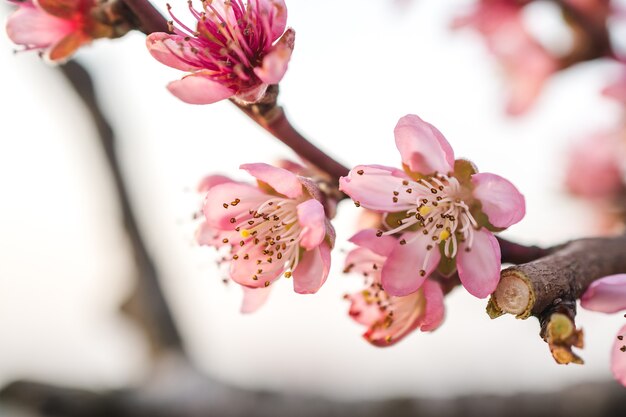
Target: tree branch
{"type": "Point", "coordinates": [150, 19]}
{"type": "Point", "coordinates": [548, 288]}
{"type": "Point", "coordinates": [514, 253]}
{"type": "Point", "coordinates": [272, 118]}
{"type": "Point", "coordinates": [148, 303]}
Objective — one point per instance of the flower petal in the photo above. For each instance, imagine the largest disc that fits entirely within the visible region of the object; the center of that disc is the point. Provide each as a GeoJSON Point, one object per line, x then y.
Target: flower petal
{"type": "Point", "coordinates": [422, 147]}
{"type": "Point", "coordinates": [435, 310]}
{"type": "Point", "coordinates": [245, 267]}
{"type": "Point", "coordinates": [363, 310]}
{"type": "Point", "coordinates": [211, 181]}
{"type": "Point", "coordinates": [312, 271]}
{"type": "Point", "coordinates": [479, 268]}
{"type": "Point", "coordinates": [606, 295]}
{"type": "Point", "coordinates": [275, 63]}
{"type": "Point", "coordinates": [618, 358]}
{"type": "Point", "coordinates": [401, 273]}
{"type": "Point", "coordinates": [381, 245]}
{"type": "Point", "coordinates": [60, 8]}
{"type": "Point", "coordinates": [364, 261]}
{"type": "Point", "coordinates": [172, 50]}
{"type": "Point", "coordinates": [503, 204]}
{"type": "Point", "coordinates": [372, 187]}
{"type": "Point", "coordinates": [66, 47]}
{"type": "Point", "coordinates": [31, 26]}
{"type": "Point", "coordinates": [273, 14]}
{"type": "Point", "coordinates": [253, 299]}
{"type": "Point", "coordinates": [281, 180]}
{"type": "Point", "coordinates": [312, 219]}
{"type": "Point", "coordinates": [231, 200]}
{"type": "Point", "coordinates": [198, 89]}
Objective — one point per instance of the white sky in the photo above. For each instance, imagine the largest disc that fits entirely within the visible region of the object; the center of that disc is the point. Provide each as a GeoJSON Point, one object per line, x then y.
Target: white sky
{"type": "Point", "coordinates": [357, 68]}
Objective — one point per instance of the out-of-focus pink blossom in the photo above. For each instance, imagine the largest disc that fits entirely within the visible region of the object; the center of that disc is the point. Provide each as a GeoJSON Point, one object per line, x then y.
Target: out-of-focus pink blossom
{"type": "Point", "coordinates": [527, 64]}
{"type": "Point", "coordinates": [595, 166]}
{"type": "Point", "coordinates": [617, 90]}
{"type": "Point", "coordinates": [442, 208]}
{"type": "Point", "coordinates": [278, 227]}
{"type": "Point", "coordinates": [388, 318]}
{"type": "Point", "coordinates": [57, 28]}
{"type": "Point", "coordinates": [237, 49]}
{"type": "Point", "coordinates": [608, 295]}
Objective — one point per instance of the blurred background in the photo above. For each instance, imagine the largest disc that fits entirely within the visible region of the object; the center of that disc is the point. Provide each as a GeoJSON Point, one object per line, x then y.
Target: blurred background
{"type": "Point", "coordinates": [358, 66]}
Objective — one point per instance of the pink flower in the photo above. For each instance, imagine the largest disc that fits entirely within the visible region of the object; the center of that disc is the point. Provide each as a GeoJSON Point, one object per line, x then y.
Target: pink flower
{"type": "Point", "coordinates": [608, 295]}
{"type": "Point", "coordinates": [58, 27]}
{"type": "Point", "coordinates": [527, 64]}
{"type": "Point", "coordinates": [444, 210]}
{"type": "Point", "coordinates": [595, 166]}
{"type": "Point", "coordinates": [278, 227]}
{"type": "Point", "coordinates": [236, 50]}
{"type": "Point", "coordinates": [388, 318]}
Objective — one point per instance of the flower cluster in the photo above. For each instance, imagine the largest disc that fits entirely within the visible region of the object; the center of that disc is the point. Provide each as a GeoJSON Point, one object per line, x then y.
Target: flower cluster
{"type": "Point", "coordinates": [608, 295]}
{"type": "Point", "coordinates": [443, 211]}
{"type": "Point", "coordinates": [276, 228]}
{"type": "Point", "coordinates": [236, 50]}
{"type": "Point", "coordinates": [57, 28]}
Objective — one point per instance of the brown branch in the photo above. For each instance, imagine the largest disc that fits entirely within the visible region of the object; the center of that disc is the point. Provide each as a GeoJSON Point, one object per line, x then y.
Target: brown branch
{"type": "Point", "coordinates": [149, 304]}
{"type": "Point", "coordinates": [592, 37]}
{"type": "Point", "coordinates": [272, 118]}
{"type": "Point", "coordinates": [149, 18]}
{"type": "Point", "coordinates": [514, 253]}
{"type": "Point", "coordinates": [548, 288]}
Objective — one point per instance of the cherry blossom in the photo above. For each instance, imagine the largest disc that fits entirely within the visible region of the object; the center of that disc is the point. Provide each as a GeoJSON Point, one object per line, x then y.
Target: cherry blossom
{"type": "Point", "coordinates": [58, 28]}
{"type": "Point", "coordinates": [442, 209]}
{"type": "Point", "coordinates": [388, 318]}
{"type": "Point", "coordinates": [236, 49]}
{"type": "Point", "coordinates": [278, 227]}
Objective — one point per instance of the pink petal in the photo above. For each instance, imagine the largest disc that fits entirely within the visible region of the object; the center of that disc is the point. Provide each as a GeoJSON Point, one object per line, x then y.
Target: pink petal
{"type": "Point", "coordinates": [30, 26]}
{"type": "Point", "coordinates": [363, 310]}
{"type": "Point", "coordinates": [381, 245]}
{"type": "Point", "coordinates": [401, 272]}
{"type": "Point", "coordinates": [274, 11]}
{"type": "Point", "coordinates": [173, 51]}
{"type": "Point", "coordinates": [372, 187]}
{"type": "Point", "coordinates": [503, 204]}
{"type": "Point", "coordinates": [275, 63]}
{"type": "Point", "coordinates": [364, 261]}
{"type": "Point", "coordinates": [435, 309]}
{"type": "Point", "coordinates": [244, 270]}
{"type": "Point", "coordinates": [253, 299]}
{"type": "Point", "coordinates": [281, 180]}
{"type": "Point", "coordinates": [618, 358]}
{"type": "Point", "coordinates": [211, 181]}
{"type": "Point", "coordinates": [617, 91]}
{"type": "Point", "coordinates": [312, 270]}
{"type": "Point", "coordinates": [198, 89]}
{"type": "Point", "coordinates": [422, 147]}
{"type": "Point", "coordinates": [606, 295]}
{"type": "Point", "coordinates": [313, 222]}
{"type": "Point", "coordinates": [479, 269]}
{"type": "Point", "coordinates": [245, 198]}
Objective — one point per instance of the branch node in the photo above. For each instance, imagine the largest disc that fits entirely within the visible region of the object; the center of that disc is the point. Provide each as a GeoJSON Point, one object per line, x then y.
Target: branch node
{"type": "Point", "coordinates": [514, 295]}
